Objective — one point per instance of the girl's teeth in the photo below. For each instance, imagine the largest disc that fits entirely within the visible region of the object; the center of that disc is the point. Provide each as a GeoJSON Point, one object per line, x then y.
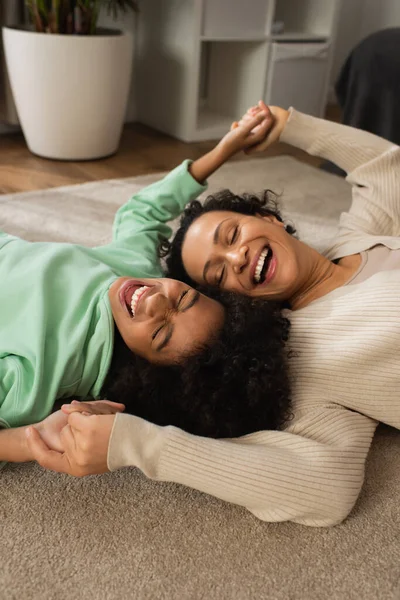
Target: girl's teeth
{"type": "Point", "coordinates": [260, 264]}
{"type": "Point", "coordinates": [136, 296]}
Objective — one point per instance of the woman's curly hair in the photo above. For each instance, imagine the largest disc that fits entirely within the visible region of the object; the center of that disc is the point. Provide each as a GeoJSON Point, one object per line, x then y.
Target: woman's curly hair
{"type": "Point", "coordinates": [236, 385]}
{"type": "Point", "coordinates": [265, 205]}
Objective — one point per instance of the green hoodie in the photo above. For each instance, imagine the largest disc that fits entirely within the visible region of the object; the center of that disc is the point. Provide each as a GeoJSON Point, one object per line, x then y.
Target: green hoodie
{"type": "Point", "coordinates": [56, 325]}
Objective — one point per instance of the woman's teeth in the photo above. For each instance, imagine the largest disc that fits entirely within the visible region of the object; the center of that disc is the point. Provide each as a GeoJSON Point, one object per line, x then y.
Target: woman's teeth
{"type": "Point", "coordinates": [260, 264]}
{"type": "Point", "coordinates": [136, 296]}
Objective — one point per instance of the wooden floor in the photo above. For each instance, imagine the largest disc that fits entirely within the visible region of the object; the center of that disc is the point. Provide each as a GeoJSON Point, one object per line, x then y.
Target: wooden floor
{"type": "Point", "coordinates": [142, 151]}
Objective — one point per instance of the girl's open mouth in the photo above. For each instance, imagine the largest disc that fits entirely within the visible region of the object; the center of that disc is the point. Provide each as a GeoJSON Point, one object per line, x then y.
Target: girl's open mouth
{"type": "Point", "coordinates": [130, 295]}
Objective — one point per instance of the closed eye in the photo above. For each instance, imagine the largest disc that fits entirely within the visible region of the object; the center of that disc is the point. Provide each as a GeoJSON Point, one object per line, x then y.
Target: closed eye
{"type": "Point", "coordinates": [168, 328]}
{"type": "Point", "coordinates": [182, 297]}
{"type": "Point", "coordinates": [234, 235]}
{"type": "Point", "coordinates": [221, 277]}
{"type": "Point", "coordinates": [157, 331]}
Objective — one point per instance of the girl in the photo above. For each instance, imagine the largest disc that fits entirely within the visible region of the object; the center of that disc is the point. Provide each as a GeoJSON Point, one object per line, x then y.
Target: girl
{"type": "Point", "coordinates": [77, 321]}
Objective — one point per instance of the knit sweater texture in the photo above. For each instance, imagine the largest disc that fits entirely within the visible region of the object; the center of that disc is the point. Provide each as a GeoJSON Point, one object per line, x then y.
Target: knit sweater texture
{"type": "Point", "coordinates": [345, 368]}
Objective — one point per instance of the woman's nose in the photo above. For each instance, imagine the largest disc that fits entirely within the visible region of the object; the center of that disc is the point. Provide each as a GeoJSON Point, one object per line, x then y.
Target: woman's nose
{"type": "Point", "coordinates": [238, 258]}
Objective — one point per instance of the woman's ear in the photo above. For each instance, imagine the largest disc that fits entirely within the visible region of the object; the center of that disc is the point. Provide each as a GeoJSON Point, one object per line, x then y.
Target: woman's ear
{"type": "Point", "coordinates": [273, 219]}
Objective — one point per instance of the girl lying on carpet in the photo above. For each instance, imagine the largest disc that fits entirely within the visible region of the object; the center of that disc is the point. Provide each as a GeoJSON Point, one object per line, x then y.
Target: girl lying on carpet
{"type": "Point", "coordinates": [82, 322]}
{"type": "Point", "coordinates": [345, 334]}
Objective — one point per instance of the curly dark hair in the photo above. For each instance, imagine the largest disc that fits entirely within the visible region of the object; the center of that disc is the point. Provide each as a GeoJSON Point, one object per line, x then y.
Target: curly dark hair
{"type": "Point", "coordinates": [249, 204]}
{"type": "Point", "coordinates": [236, 385]}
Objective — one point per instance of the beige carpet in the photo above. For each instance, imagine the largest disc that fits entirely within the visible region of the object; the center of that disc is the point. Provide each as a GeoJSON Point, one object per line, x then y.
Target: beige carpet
{"type": "Point", "coordinates": [120, 536]}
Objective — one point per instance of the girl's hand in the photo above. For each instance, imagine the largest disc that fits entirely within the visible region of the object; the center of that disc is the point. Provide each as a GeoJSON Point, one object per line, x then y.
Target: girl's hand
{"type": "Point", "coordinates": [95, 407]}
{"type": "Point", "coordinates": [279, 117]}
{"type": "Point", "coordinates": [246, 133]}
{"type": "Point", "coordinates": [51, 427]}
{"type": "Point", "coordinates": [85, 440]}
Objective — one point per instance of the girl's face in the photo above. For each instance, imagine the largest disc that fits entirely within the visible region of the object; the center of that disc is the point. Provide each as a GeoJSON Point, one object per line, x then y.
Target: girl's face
{"type": "Point", "coordinates": [251, 255]}
{"type": "Point", "coordinates": [163, 320]}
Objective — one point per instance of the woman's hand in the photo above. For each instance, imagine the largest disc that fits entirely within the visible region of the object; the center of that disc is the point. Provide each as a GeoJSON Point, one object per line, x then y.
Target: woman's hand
{"type": "Point", "coordinates": [85, 441]}
{"type": "Point", "coordinates": [248, 132]}
{"type": "Point", "coordinates": [51, 427]}
{"type": "Point", "coordinates": [95, 407]}
{"type": "Point", "coordinates": [278, 117]}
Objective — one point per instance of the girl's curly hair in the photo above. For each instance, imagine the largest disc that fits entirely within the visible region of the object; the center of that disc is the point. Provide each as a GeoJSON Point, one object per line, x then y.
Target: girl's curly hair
{"type": "Point", "coordinates": [236, 385]}
{"type": "Point", "coordinates": [248, 204]}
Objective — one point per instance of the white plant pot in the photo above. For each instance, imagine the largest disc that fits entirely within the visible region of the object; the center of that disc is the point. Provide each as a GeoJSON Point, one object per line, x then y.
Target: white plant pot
{"type": "Point", "coordinates": [70, 91]}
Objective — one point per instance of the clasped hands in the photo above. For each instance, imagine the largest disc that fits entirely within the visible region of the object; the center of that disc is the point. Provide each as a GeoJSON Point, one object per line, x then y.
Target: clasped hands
{"type": "Point", "coordinates": [75, 439]}
{"type": "Point", "coordinates": [259, 127]}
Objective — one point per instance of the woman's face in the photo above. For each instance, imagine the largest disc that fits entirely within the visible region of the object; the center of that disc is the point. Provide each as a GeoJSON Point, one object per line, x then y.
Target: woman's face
{"type": "Point", "coordinates": [163, 320]}
{"type": "Point", "coordinates": [251, 255]}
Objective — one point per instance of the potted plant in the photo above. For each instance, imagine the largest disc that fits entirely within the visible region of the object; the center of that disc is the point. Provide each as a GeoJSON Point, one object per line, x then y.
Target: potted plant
{"type": "Point", "coordinates": [70, 79]}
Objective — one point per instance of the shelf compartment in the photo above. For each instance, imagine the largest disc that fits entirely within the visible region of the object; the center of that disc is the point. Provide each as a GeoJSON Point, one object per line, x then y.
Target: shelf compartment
{"type": "Point", "coordinates": [232, 78]}
{"type": "Point", "coordinates": [305, 17]}
{"type": "Point", "coordinates": [297, 76]}
{"type": "Point", "coordinates": [235, 18]}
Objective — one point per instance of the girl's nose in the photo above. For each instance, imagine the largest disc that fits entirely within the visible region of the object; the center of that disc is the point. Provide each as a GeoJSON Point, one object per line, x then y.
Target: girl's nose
{"type": "Point", "coordinates": [157, 304]}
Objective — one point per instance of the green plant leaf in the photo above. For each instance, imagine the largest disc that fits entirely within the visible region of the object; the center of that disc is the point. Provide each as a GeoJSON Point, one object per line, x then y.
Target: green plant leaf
{"type": "Point", "coordinates": [74, 16]}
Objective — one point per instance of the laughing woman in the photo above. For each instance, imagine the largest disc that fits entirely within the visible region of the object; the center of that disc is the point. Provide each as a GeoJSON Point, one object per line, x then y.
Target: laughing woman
{"type": "Point", "coordinates": [345, 335]}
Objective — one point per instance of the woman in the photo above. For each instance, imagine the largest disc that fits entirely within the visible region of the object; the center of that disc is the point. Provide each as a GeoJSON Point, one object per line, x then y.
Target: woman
{"type": "Point", "coordinates": [84, 322]}
{"type": "Point", "coordinates": [344, 336]}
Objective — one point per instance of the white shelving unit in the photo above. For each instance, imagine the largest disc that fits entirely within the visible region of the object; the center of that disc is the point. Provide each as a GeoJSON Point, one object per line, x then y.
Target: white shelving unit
{"type": "Point", "coordinates": [202, 63]}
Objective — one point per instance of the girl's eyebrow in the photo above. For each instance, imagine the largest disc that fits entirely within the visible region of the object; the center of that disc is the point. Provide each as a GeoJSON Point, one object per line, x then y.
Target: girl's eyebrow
{"type": "Point", "coordinates": [167, 338]}
{"type": "Point", "coordinates": [165, 342]}
{"type": "Point", "coordinates": [195, 298]}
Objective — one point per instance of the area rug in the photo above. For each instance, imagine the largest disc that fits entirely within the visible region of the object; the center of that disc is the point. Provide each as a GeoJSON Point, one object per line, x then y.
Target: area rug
{"type": "Point", "coordinates": [121, 536]}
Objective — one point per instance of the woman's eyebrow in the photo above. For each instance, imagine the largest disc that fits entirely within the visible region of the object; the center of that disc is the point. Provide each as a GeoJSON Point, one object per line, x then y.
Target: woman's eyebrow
{"type": "Point", "coordinates": [217, 229]}
{"type": "Point", "coordinates": [205, 270]}
{"type": "Point", "coordinates": [215, 241]}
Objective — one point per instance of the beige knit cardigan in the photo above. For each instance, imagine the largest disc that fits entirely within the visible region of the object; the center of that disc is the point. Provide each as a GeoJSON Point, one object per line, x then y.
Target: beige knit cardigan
{"type": "Point", "coordinates": [346, 368]}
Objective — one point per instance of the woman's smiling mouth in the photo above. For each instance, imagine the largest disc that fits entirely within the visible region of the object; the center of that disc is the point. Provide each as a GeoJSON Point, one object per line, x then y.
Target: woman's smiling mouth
{"type": "Point", "coordinates": [265, 266]}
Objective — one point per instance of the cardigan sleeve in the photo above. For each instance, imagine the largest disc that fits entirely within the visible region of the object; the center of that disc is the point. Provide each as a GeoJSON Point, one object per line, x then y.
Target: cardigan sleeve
{"type": "Point", "coordinates": [372, 165]}
{"type": "Point", "coordinates": [311, 473]}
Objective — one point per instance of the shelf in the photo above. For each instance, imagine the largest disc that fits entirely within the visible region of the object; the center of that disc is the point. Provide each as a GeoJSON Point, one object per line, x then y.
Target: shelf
{"type": "Point", "coordinates": [209, 60]}
{"type": "Point", "coordinates": [231, 76]}
{"type": "Point", "coordinates": [305, 19]}
{"type": "Point", "coordinates": [255, 38]}
{"type": "Point", "coordinates": [297, 36]}
{"type": "Point", "coordinates": [289, 36]}
{"type": "Point", "coordinates": [234, 19]}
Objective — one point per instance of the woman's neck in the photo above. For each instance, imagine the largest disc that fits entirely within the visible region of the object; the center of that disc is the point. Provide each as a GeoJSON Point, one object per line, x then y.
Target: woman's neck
{"type": "Point", "coordinates": [322, 276]}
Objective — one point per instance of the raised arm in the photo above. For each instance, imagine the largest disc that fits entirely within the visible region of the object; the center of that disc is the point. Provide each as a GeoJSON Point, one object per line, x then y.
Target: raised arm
{"type": "Point", "coordinates": [143, 219]}
{"type": "Point", "coordinates": [372, 165]}
{"type": "Point", "coordinates": [147, 213]}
